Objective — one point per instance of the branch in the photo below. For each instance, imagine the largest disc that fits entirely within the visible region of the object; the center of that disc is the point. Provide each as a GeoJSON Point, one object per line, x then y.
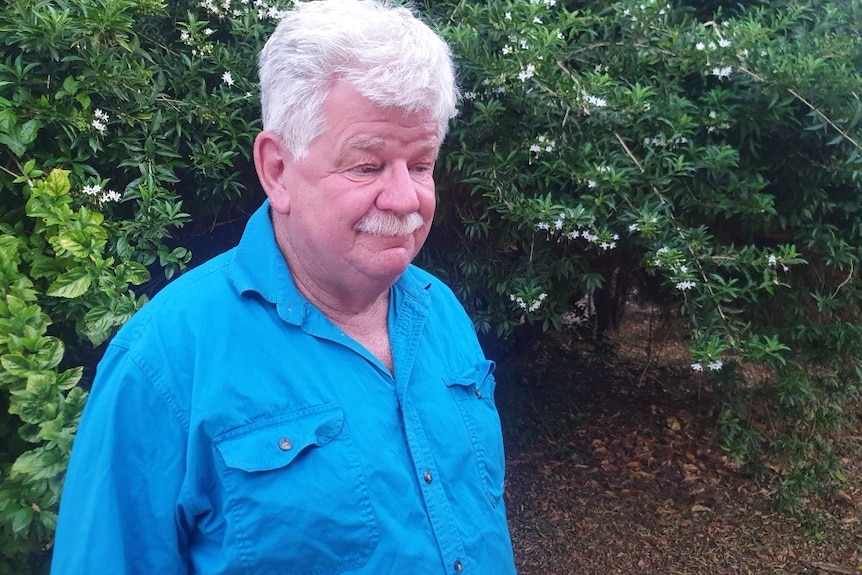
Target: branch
{"type": "Point", "coordinates": [799, 97]}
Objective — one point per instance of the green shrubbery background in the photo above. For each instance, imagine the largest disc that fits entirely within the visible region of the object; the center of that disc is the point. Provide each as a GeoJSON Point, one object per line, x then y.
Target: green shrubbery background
{"type": "Point", "coordinates": [701, 157]}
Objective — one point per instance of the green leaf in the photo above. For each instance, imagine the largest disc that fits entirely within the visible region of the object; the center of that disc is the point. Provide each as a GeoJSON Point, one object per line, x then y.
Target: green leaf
{"type": "Point", "coordinates": [22, 519]}
{"type": "Point", "coordinates": [78, 242]}
{"type": "Point", "coordinates": [69, 378]}
{"type": "Point", "coordinates": [17, 364]}
{"type": "Point", "coordinates": [28, 131]}
{"type": "Point", "coordinates": [133, 273]}
{"type": "Point", "coordinates": [57, 183]}
{"type": "Point", "coordinates": [72, 284]}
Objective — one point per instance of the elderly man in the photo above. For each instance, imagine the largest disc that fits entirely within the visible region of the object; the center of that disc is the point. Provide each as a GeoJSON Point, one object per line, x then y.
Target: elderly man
{"type": "Point", "coordinates": [309, 402]}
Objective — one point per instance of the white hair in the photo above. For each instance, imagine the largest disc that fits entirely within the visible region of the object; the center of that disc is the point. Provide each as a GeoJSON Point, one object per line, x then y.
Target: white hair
{"type": "Point", "coordinates": [383, 50]}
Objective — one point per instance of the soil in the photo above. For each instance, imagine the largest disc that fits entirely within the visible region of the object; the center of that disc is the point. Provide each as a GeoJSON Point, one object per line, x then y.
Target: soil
{"type": "Point", "coordinates": [613, 466]}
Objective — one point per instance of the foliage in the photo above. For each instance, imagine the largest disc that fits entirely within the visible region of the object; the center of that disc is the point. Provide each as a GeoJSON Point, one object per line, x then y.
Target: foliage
{"type": "Point", "coordinates": [54, 256]}
{"type": "Point", "coordinates": [139, 112]}
{"type": "Point", "coordinates": [706, 162]}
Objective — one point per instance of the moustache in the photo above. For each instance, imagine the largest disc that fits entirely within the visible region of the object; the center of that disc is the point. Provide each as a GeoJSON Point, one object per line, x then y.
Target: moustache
{"type": "Point", "coordinates": [386, 224]}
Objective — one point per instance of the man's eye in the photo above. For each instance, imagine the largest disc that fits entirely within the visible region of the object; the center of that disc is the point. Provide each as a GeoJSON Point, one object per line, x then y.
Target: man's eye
{"type": "Point", "coordinates": [366, 168]}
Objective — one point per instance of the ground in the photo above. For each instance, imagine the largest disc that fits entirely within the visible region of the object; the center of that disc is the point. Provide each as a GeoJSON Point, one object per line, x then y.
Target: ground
{"type": "Point", "coordinates": [614, 467]}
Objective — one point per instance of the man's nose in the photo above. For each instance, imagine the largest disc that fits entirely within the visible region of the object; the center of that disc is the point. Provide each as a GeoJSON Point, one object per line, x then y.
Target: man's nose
{"type": "Point", "coordinates": [400, 193]}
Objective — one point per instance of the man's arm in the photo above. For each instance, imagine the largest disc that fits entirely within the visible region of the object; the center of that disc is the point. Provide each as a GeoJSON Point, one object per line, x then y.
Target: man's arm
{"type": "Point", "coordinates": [118, 512]}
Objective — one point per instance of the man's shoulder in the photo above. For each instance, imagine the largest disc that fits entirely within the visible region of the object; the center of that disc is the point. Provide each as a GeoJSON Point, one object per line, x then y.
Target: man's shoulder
{"type": "Point", "coordinates": [185, 301]}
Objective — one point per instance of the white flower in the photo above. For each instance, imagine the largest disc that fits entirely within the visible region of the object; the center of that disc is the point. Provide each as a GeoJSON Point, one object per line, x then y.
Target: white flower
{"type": "Point", "coordinates": [773, 260]}
{"type": "Point", "coordinates": [724, 43]}
{"type": "Point", "coordinates": [110, 196]}
{"type": "Point", "coordinates": [535, 148]}
{"type": "Point", "coordinates": [715, 365]}
{"type": "Point", "coordinates": [209, 31]}
{"type": "Point", "coordinates": [508, 15]}
{"type": "Point", "coordinates": [633, 227]}
{"type": "Point", "coordinates": [92, 190]}
{"type": "Point", "coordinates": [543, 226]}
{"type": "Point", "coordinates": [98, 113]}
{"type": "Point", "coordinates": [537, 20]}
{"type": "Point", "coordinates": [185, 36]}
{"type": "Point", "coordinates": [526, 73]}
{"type": "Point", "coordinates": [507, 50]}
{"type": "Point", "coordinates": [99, 125]}
{"type": "Point", "coordinates": [684, 285]}
{"type": "Point", "coordinates": [722, 72]}
{"type": "Point", "coordinates": [700, 46]}
{"type": "Point", "coordinates": [227, 78]}
{"type": "Point", "coordinates": [591, 184]}
{"type": "Point", "coordinates": [595, 100]}
{"type": "Point", "coordinates": [697, 367]}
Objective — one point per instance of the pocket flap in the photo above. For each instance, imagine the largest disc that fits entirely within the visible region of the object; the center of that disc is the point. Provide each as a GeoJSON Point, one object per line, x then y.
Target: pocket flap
{"type": "Point", "coordinates": [475, 376]}
{"type": "Point", "coordinates": [274, 443]}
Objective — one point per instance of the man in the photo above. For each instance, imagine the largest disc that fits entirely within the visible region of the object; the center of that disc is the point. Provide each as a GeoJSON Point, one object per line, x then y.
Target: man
{"type": "Point", "coordinates": [309, 402]}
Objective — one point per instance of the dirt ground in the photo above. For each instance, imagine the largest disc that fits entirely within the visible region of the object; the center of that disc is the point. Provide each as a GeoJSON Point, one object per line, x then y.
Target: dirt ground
{"type": "Point", "coordinates": [613, 467]}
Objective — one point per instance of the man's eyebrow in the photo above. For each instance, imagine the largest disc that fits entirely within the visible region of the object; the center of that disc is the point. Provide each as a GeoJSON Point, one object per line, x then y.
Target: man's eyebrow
{"type": "Point", "coordinates": [364, 143]}
{"type": "Point", "coordinates": [371, 144]}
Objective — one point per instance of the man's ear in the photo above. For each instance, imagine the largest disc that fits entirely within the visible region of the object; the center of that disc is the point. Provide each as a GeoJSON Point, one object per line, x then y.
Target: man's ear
{"type": "Point", "coordinates": [271, 158]}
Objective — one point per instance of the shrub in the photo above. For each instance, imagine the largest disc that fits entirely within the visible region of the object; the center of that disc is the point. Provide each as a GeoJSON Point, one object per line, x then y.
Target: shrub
{"type": "Point", "coordinates": [117, 118]}
{"type": "Point", "coordinates": [706, 162]}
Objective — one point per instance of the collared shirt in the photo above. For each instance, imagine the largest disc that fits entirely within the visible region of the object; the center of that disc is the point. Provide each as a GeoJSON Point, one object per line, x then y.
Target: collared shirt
{"type": "Point", "coordinates": [232, 428]}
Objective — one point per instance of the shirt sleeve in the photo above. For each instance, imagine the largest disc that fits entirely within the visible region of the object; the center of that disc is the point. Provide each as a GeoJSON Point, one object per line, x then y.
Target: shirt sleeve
{"type": "Point", "coordinates": [119, 506]}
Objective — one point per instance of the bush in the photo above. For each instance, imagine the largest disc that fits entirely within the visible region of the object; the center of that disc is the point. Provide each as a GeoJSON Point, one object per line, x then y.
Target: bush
{"type": "Point", "coordinates": [705, 162]}
{"type": "Point", "coordinates": [117, 118]}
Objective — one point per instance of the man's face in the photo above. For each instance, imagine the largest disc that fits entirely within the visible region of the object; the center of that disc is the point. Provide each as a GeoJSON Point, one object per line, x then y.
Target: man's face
{"type": "Point", "coordinates": [369, 163]}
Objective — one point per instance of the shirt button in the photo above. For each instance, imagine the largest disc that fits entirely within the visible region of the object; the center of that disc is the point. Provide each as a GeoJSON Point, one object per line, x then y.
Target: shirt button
{"type": "Point", "coordinates": [478, 394]}
{"type": "Point", "coordinates": [427, 476]}
{"type": "Point", "coordinates": [285, 444]}
{"type": "Point", "coordinates": [458, 566]}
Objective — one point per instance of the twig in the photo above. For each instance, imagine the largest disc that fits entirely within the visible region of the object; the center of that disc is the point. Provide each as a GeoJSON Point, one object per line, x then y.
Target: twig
{"type": "Point", "coordinates": [842, 284]}
{"type": "Point", "coordinates": [799, 97]}
{"type": "Point", "coordinates": [629, 153]}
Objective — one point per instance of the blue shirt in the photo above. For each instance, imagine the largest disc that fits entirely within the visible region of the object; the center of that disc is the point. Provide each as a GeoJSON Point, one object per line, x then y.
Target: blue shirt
{"type": "Point", "coordinates": [232, 428]}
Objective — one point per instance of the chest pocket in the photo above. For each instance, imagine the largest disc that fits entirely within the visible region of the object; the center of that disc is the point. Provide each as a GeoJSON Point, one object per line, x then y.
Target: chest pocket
{"type": "Point", "coordinates": [296, 495]}
{"type": "Point", "coordinates": [473, 391]}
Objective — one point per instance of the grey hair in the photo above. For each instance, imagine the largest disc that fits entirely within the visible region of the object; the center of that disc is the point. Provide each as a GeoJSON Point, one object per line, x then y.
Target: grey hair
{"type": "Point", "coordinates": [382, 49]}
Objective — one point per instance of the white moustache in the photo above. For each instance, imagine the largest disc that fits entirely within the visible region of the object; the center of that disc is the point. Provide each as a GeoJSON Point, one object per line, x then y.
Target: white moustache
{"type": "Point", "coordinates": [386, 224]}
